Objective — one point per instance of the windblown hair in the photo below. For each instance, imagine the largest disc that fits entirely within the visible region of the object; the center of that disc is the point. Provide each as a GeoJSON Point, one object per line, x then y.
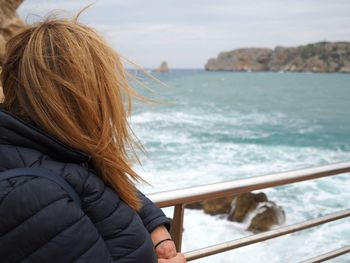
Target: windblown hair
{"type": "Point", "coordinates": [63, 76]}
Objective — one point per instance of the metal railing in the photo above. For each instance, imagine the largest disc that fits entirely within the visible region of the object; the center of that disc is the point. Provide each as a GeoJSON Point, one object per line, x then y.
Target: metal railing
{"type": "Point", "coordinates": [178, 199]}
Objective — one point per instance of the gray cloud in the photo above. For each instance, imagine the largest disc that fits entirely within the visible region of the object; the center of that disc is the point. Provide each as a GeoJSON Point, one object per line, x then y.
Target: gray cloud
{"type": "Point", "coordinates": [188, 32]}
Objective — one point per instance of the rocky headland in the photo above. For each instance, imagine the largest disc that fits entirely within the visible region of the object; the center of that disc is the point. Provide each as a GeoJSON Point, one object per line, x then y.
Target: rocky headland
{"type": "Point", "coordinates": [10, 24]}
{"type": "Point", "coordinates": [317, 57]}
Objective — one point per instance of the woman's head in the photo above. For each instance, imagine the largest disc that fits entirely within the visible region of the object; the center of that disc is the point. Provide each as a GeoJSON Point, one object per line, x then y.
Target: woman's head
{"type": "Point", "coordinates": [63, 76]}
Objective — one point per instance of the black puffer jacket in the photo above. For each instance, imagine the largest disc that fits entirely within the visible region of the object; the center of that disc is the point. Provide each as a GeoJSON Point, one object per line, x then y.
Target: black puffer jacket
{"type": "Point", "coordinates": [40, 223]}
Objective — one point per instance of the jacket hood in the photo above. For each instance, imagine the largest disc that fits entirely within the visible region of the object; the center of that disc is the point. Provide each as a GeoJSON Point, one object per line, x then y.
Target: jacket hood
{"type": "Point", "coordinates": [15, 131]}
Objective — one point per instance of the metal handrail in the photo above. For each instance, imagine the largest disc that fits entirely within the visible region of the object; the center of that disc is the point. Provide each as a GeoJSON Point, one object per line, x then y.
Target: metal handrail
{"type": "Point", "coordinates": [208, 251]}
{"type": "Point", "coordinates": [239, 186]}
{"type": "Point", "coordinates": [329, 255]}
{"type": "Point", "coordinates": [179, 198]}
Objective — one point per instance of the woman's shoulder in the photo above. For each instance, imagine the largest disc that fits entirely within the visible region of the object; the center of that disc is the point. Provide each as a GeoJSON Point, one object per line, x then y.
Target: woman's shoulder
{"type": "Point", "coordinates": [39, 217]}
{"type": "Point", "coordinates": [119, 225]}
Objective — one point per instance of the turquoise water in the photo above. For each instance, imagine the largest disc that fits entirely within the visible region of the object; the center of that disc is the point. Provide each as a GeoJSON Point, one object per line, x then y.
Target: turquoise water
{"type": "Point", "coordinates": [218, 126]}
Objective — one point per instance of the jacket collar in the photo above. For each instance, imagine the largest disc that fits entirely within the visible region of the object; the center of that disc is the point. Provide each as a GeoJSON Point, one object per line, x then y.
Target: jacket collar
{"type": "Point", "coordinates": [17, 132]}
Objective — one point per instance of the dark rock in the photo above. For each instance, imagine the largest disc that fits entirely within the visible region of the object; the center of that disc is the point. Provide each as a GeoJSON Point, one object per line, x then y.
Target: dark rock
{"type": "Point", "coordinates": [218, 206]}
{"type": "Point", "coordinates": [213, 207]}
{"type": "Point", "coordinates": [268, 214]}
{"type": "Point", "coordinates": [195, 205]}
{"type": "Point", "coordinates": [163, 67]}
{"type": "Point", "coordinates": [244, 204]}
{"type": "Point", "coordinates": [262, 213]}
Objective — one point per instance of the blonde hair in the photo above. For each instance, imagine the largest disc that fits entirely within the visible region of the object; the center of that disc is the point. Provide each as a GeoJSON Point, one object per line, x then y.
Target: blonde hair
{"type": "Point", "coordinates": [64, 76]}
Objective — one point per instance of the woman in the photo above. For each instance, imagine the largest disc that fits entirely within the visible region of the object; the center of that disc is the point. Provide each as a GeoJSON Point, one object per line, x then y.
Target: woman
{"type": "Point", "coordinates": [65, 91]}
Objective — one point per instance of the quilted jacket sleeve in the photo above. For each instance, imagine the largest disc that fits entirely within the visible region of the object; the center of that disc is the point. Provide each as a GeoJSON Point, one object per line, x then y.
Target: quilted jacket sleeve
{"type": "Point", "coordinates": [39, 223]}
{"type": "Point", "coordinates": [122, 229]}
{"type": "Point", "coordinates": [151, 215]}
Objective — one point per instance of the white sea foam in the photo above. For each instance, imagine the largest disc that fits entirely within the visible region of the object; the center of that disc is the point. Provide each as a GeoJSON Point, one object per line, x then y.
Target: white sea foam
{"type": "Point", "coordinates": [201, 230]}
{"type": "Point", "coordinates": [202, 145]}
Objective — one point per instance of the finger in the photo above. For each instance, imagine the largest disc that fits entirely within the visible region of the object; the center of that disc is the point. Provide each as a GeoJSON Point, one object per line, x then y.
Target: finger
{"type": "Point", "coordinates": [181, 258]}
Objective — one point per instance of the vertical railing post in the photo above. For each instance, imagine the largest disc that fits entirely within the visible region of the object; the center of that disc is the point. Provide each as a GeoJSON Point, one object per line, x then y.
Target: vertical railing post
{"type": "Point", "coordinates": [177, 226]}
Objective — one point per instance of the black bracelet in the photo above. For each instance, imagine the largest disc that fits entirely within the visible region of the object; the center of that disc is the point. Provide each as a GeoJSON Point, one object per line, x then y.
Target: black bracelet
{"type": "Point", "coordinates": [160, 242]}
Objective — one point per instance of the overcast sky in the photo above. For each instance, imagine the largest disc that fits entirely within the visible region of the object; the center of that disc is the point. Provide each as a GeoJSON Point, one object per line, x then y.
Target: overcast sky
{"type": "Point", "coordinates": [186, 33]}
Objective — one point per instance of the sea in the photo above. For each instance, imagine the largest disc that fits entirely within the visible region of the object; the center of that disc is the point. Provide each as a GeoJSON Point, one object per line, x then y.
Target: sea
{"type": "Point", "coordinates": [208, 127]}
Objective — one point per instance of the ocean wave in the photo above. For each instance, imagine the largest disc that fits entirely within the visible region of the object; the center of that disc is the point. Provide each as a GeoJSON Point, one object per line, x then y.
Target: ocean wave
{"type": "Point", "coordinates": [226, 126]}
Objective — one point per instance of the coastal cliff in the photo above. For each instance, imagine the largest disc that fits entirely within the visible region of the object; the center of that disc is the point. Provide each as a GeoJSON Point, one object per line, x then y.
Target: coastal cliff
{"type": "Point", "coordinates": [10, 24]}
{"type": "Point", "coordinates": [317, 57]}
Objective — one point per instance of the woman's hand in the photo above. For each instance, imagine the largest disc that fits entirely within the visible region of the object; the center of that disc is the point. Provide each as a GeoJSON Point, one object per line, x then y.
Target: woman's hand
{"type": "Point", "coordinates": [166, 249]}
{"type": "Point", "coordinates": [179, 258]}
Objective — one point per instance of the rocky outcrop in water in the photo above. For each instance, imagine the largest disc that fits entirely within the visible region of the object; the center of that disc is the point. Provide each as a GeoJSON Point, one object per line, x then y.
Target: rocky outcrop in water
{"type": "Point", "coordinates": [245, 204]}
{"type": "Point", "coordinates": [217, 206]}
{"type": "Point", "coordinates": [317, 57]}
{"type": "Point", "coordinates": [266, 216]}
{"type": "Point", "coordinates": [256, 209]}
{"type": "Point", "coordinates": [163, 67]}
